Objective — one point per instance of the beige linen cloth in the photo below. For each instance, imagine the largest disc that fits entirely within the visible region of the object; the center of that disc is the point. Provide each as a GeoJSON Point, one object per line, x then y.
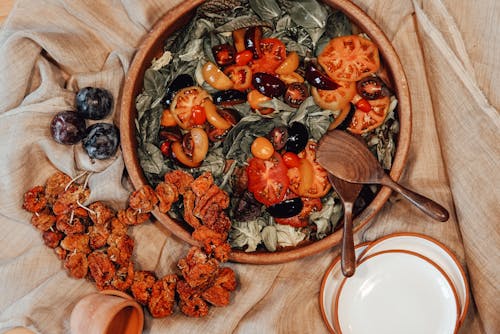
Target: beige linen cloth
{"type": "Point", "coordinates": [48, 49]}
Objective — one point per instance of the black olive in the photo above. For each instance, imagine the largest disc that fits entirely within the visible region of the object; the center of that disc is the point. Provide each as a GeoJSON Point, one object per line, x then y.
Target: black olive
{"type": "Point", "coordinates": [229, 97]}
{"type": "Point", "coordinates": [372, 88]}
{"type": "Point", "coordinates": [297, 138]}
{"type": "Point", "coordinates": [278, 136]}
{"type": "Point", "coordinates": [268, 84]}
{"type": "Point", "coordinates": [347, 121]}
{"type": "Point", "coordinates": [295, 94]}
{"type": "Point", "coordinates": [181, 81]}
{"type": "Point", "coordinates": [252, 39]}
{"type": "Point", "coordinates": [287, 208]}
{"type": "Point", "coordinates": [319, 79]}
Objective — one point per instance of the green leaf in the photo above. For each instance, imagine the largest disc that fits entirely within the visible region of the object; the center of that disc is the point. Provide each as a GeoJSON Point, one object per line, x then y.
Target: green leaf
{"type": "Point", "coordinates": [246, 234]}
{"type": "Point", "coordinates": [151, 158]}
{"type": "Point", "coordinates": [309, 14]}
{"type": "Point", "coordinates": [154, 83]}
{"type": "Point", "coordinates": [266, 9]}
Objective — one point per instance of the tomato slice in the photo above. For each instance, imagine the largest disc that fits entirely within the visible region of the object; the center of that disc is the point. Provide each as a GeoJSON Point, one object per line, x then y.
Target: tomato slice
{"type": "Point", "coordinates": [183, 103]}
{"type": "Point", "coordinates": [240, 75]}
{"type": "Point", "coordinates": [319, 186]}
{"type": "Point", "coordinates": [349, 58]}
{"type": "Point", "coordinates": [363, 121]}
{"type": "Point", "coordinates": [267, 179]}
{"type": "Point", "coordinates": [335, 99]}
{"type": "Point", "coordinates": [273, 53]}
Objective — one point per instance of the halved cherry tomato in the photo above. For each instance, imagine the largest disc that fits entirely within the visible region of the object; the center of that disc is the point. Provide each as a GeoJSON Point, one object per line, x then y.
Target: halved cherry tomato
{"type": "Point", "coordinates": [255, 98]}
{"type": "Point", "coordinates": [341, 117]}
{"type": "Point", "coordinates": [349, 58]}
{"type": "Point", "coordinates": [273, 53]}
{"type": "Point", "coordinates": [213, 117]}
{"type": "Point", "coordinates": [335, 99]}
{"type": "Point", "coordinates": [291, 159]}
{"type": "Point", "coordinates": [198, 115]}
{"type": "Point", "coordinates": [299, 177]}
{"type": "Point", "coordinates": [267, 179]}
{"type": "Point", "coordinates": [200, 148]}
{"type": "Point", "coordinates": [243, 57]}
{"type": "Point", "coordinates": [167, 119]}
{"type": "Point", "coordinates": [365, 121]}
{"type": "Point", "coordinates": [240, 75]}
{"type": "Point", "coordinates": [291, 78]}
{"type": "Point", "coordinates": [224, 54]}
{"type": "Point", "coordinates": [262, 148]}
{"type": "Point", "coordinates": [289, 65]}
{"type": "Point", "coordinates": [239, 39]}
{"type": "Point", "coordinates": [183, 103]}
{"type": "Point", "coordinates": [215, 77]}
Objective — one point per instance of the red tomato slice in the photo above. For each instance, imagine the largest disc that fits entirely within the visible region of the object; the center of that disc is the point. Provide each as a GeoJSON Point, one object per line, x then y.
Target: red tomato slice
{"type": "Point", "coordinates": [273, 53]}
{"type": "Point", "coordinates": [240, 75]}
{"type": "Point", "coordinates": [267, 179]}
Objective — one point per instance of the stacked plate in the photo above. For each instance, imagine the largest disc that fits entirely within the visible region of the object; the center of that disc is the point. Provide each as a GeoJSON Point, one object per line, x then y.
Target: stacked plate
{"type": "Point", "coordinates": [404, 283]}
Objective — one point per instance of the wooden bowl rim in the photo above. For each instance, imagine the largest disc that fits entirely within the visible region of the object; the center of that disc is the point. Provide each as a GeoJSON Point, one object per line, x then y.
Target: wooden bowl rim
{"type": "Point", "coordinates": [134, 79]}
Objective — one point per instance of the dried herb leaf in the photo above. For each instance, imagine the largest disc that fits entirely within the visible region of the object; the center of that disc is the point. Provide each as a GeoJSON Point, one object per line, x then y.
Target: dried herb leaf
{"type": "Point", "coordinates": [266, 9]}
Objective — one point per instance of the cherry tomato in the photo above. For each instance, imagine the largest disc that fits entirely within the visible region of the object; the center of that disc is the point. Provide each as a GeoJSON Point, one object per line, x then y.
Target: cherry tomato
{"type": "Point", "coordinates": [262, 148]}
{"type": "Point", "coordinates": [273, 53]}
{"type": "Point", "coordinates": [335, 99]}
{"type": "Point", "coordinates": [365, 121]}
{"type": "Point", "coordinates": [349, 58]}
{"type": "Point", "coordinates": [372, 88]}
{"type": "Point", "coordinates": [183, 103]}
{"type": "Point", "coordinates": [243, 57]}
{"type": "Point", "coordinates": [165, 148]}
{"type": "Point", "coordinates": [240, 75]}
{"type": "Point", "coordinates": [198, 115]}
{"type": "Point", "coordinates": [289, 65]}
{"type": "Point", "coordinates": [291, 159]}
{"type": "Point", "coordinates": [267, 179]}
{"type": "Point", "coordinates": [215, 77]}
{"type": "Point", "coordinates": [363, 105]}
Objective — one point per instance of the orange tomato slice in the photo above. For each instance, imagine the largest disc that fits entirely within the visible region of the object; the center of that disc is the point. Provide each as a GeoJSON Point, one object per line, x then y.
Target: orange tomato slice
{"type": "Point", "coordinates": [335, 99]}
{"type": "Point", "coordinates": [363, 121]}
{"type": "Point", "coordinates": [349, 58]}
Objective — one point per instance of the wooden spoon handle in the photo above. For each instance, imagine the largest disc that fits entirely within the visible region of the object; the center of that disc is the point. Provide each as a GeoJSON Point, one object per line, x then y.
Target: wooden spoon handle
{"type": "Point", "coordinates": [428, 206]}
{"type": "Point", "coordinates": [348, 259]}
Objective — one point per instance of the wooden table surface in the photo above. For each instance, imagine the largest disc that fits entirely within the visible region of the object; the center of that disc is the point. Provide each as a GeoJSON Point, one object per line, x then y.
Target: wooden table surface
{"type": "Point", "coordinates": [5, 7]}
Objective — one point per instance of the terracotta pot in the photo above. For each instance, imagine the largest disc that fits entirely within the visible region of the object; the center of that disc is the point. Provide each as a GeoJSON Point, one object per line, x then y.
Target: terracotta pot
{"type": "Point", "coordinates": [107, 312]}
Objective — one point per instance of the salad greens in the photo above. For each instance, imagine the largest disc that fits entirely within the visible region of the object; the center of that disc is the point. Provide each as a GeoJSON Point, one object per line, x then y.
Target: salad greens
{"type": "Point", "coordinates": [304, 26]}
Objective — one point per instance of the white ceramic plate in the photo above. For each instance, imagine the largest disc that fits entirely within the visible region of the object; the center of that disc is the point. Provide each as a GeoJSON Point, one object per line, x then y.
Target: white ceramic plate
{"type": "Point", "coordinates": [394, 292]}
{"type": "Point", "coordinates": [433, 250]}
{"type": "Point", "coordinates": [329, 286]}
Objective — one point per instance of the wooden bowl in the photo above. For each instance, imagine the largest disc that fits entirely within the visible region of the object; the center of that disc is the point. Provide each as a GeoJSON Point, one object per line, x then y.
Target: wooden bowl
{"type": "Point", "coordinates": [152, 46]}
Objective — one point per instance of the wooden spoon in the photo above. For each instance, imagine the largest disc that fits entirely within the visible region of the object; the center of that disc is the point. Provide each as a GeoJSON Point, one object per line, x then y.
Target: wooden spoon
{"type": "Point", "coordinates": [349, 159]}
{"type": "Point", "coordinates": [348, 192]}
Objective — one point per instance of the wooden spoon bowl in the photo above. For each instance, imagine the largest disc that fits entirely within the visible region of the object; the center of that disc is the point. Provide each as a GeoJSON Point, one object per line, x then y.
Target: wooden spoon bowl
{"type": "Point", "coordinates": [152, 46]}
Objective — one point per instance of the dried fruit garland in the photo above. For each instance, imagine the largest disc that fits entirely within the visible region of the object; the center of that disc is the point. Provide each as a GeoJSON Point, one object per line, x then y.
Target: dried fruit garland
{"type": "Point", "coordinates": [94, 243]}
